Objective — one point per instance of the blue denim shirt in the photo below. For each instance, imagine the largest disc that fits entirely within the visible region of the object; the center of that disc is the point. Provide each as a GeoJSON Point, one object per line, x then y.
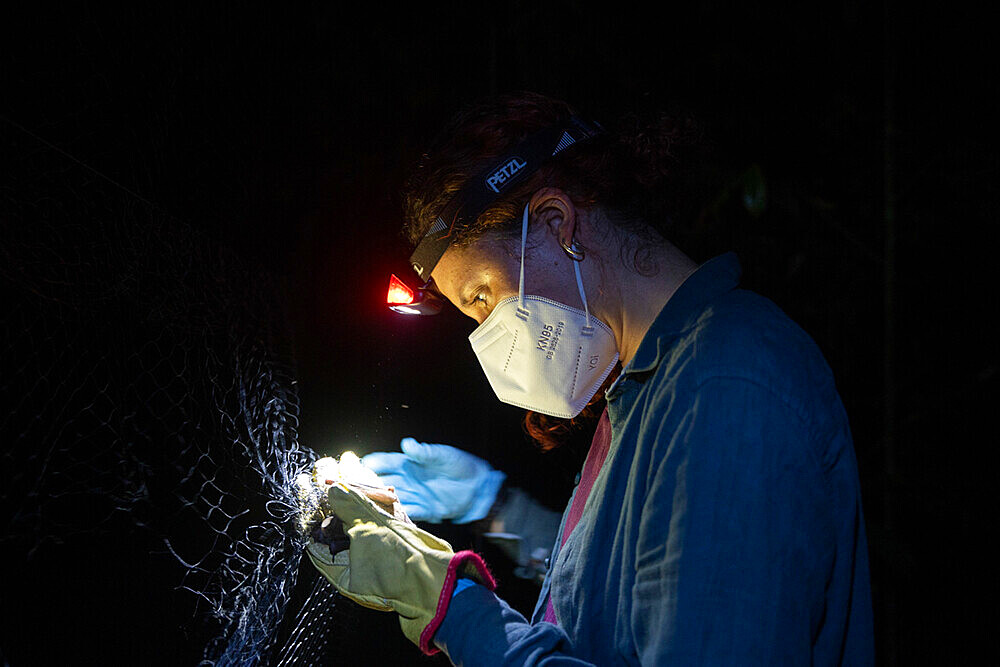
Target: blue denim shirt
{"type": "Point", "coordinates": [725, 526]}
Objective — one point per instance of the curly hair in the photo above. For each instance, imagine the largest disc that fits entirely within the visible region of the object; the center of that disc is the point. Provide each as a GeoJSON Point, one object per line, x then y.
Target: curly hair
{"type": "Point", "coordinates": [632, 172]}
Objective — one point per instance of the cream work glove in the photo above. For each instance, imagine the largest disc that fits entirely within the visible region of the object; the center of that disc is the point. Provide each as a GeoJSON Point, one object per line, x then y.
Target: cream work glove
{"type": "Point", "coordinates": [392, 565]}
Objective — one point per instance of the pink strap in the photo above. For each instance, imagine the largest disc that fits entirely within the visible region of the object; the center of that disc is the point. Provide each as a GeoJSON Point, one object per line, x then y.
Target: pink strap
{"type": "Point", "coordinates": [598, 452]}
{"type": "Point", "coordinates": [550, 612]}
{"type": "Point", "coordinates": [450, 577]}
{"type": "Point", "coordinates": [596, 456]}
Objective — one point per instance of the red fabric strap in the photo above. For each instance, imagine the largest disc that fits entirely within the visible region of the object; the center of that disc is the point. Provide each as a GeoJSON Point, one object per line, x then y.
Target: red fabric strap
{"type": "Point", "coordinates": [598, 452]}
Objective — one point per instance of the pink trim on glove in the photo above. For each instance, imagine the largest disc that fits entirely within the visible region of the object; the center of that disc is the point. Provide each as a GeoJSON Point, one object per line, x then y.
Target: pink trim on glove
{"type": "Point", "coordinates": [450, 578]}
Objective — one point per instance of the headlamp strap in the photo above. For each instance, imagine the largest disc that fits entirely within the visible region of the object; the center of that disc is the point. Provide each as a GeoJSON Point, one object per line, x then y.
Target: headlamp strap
{"type": "Point", "coordinates": [480, 191]}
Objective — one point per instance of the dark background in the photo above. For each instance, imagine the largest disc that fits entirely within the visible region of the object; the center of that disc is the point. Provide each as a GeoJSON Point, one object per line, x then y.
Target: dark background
{"type": "Point", "coordinates": [854, 173]}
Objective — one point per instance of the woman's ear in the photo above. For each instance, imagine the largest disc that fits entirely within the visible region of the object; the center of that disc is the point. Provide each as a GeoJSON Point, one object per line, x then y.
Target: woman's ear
{"type": "Point", "coordinates": [555, 208]}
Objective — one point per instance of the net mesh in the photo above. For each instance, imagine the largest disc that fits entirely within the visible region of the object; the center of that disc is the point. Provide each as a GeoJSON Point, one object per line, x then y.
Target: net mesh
{"type": "Point", "coordinates": [150, 384]}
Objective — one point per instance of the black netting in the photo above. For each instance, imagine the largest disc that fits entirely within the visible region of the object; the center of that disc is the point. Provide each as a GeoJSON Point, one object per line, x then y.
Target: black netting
{"type": "Point", "coordinates": [148, 392]}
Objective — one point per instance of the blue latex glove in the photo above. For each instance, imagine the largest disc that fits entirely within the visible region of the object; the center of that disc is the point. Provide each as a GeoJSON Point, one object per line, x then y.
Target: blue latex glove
{"type": "Point", "coordinates": [438, 482]}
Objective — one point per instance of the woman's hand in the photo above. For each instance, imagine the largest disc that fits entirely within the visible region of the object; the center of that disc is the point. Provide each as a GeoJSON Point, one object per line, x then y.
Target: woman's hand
{"type": "Point", "coordinates": [438, 482]}
{"type": "Point", "coordinates": [392, 565]}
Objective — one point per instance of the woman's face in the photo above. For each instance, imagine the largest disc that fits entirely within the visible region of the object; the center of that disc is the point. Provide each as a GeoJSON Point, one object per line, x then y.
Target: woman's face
{"type": "Point", "coordinates": [476, 278]}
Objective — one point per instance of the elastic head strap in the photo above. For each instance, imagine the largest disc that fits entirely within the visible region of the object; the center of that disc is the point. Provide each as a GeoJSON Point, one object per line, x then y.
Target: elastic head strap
{"type": "Point", "coordinates": [482, 190]}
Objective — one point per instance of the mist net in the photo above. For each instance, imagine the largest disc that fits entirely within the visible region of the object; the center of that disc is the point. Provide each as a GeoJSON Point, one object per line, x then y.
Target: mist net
{"type": "Point", "coordinates": [150, 386]}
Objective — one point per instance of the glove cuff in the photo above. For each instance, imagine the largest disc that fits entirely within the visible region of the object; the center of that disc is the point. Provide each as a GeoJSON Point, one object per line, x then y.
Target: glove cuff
{"type": "Point", "coordinates": [463, 562]}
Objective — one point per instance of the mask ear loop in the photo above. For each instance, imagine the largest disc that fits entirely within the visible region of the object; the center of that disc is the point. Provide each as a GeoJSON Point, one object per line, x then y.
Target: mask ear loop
{"type": "Point", "coordinates": [587, 330]}
{"type": "Point", "coordinates": [522, 312]}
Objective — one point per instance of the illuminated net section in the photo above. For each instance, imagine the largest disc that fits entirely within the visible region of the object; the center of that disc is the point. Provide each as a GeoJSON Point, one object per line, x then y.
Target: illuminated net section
{"type": "Point", "coordinates": [149, 387]}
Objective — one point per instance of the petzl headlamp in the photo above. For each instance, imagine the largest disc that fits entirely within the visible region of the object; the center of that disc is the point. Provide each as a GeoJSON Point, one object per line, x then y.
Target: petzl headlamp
{"type": "Point", "coordinates": [478, 194]}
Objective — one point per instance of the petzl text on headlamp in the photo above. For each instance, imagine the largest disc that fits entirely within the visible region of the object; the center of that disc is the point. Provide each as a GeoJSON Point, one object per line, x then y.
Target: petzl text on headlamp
{"type": "Point", "coordinates": [478, 194]}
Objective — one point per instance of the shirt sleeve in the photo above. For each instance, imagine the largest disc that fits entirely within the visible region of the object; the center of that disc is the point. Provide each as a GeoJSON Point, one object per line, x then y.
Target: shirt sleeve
{"type": "Point", "coordinates": [480, 629]}
{"type": "Point", "coordinates": [734, 540]}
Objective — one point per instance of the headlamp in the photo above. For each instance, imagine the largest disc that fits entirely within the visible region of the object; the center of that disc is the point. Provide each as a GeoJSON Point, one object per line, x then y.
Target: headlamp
{"type": "Point", "coordinates": [478, 194]}
{"type": "Point", "coordinates": [408, 301]}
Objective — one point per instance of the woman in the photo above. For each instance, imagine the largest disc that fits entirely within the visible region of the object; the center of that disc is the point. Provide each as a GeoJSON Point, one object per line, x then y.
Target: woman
{"type": "Point", "coordinates": [718, 516]}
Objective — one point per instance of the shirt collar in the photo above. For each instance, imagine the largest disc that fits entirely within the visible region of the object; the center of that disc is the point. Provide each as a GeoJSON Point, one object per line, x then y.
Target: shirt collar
{"type": "Point", "coordinates": [712, 279]}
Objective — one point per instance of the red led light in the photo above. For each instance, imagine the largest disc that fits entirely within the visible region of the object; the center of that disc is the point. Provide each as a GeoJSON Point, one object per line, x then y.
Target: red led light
{"type": "Point", "coordinates": [398, 292]}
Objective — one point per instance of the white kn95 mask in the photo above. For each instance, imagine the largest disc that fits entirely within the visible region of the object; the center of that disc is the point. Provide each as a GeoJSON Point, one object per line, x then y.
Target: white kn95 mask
{"type": "Point", "coordinates": [542, 355]}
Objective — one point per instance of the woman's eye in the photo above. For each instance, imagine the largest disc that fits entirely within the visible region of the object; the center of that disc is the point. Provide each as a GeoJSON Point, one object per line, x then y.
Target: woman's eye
{"type": "Point", "coordinates": [480, 298]}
